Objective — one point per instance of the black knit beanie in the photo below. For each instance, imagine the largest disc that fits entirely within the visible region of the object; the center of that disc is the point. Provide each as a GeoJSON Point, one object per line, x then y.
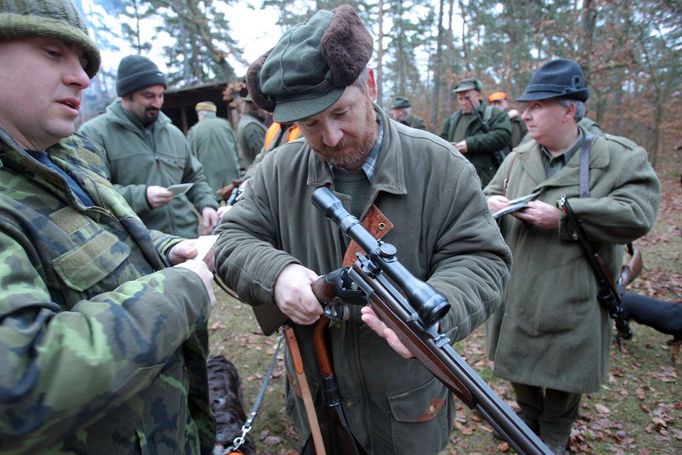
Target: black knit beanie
{"type": "Point", "coordinates": [136, 73]}
{"type": "Point", "coordinates": [52, 18]}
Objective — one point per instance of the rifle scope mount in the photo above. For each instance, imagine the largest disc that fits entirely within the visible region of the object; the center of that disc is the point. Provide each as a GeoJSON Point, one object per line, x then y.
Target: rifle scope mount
{"type": "Point", "coordinates": [429, 305]}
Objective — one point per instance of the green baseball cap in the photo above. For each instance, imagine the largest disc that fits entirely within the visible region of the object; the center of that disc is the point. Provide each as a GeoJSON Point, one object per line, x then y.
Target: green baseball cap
{"type": "Point", "coordinates": [311, 65]}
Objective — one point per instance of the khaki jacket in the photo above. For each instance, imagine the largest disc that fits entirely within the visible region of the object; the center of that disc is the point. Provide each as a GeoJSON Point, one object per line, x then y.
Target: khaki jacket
{"type": "Point", "coordinates": [213, 142]}
{"type": "Point", "coordinates": [442, 229]}
{"type": "Point", "coordinates": [551, 332]}
{"type": "Point", "coordinates": [138, 157]}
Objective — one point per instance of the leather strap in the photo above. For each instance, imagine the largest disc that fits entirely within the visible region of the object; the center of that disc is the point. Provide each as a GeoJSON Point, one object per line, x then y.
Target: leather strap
{"type": "Point", "coordinates": [585, 166]}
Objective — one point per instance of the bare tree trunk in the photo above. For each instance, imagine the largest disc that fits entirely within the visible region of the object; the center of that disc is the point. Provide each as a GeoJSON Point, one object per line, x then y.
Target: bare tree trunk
{"type": "Point", "coordinates": [380, 54]}
{"type": "Point", "coordinates": [437, 66]}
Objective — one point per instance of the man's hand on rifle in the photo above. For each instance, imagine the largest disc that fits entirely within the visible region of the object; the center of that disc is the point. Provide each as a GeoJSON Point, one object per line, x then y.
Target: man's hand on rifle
{"type": "Point", "coordinates": [294, 294]}
{"type": "Point", "coordinates": [373, 322]}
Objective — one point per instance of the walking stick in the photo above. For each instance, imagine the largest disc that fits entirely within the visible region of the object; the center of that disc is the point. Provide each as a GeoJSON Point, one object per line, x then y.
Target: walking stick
{"type": "Point", "coordinates": [305, 390]}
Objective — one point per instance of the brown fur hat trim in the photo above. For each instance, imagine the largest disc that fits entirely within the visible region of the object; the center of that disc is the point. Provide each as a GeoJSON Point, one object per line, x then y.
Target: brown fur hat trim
{"type": "Point", "coordinates": [346, 46]}
{"type": "Point", "coordinates": [253, 84]}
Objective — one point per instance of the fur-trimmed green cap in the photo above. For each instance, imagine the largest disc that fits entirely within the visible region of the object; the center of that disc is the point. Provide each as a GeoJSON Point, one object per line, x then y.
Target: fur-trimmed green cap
{"type": "Point", "coordinates": [52, 18]}
{"type": "Point", "coordinates": [311, 65]}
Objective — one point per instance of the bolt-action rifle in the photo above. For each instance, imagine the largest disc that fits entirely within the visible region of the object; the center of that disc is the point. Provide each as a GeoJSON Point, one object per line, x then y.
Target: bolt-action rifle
{"type": "Point", "coordinates": [413, 308]}
{"type": "Point", "coordinates": [608, 293]}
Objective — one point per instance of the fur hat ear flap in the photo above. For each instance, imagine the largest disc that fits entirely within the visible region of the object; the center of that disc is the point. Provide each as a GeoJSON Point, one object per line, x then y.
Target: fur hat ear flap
{"type": "Point", "coordinates": [253, 84]}
{"type": "Point", "coordinates": [346, 46]}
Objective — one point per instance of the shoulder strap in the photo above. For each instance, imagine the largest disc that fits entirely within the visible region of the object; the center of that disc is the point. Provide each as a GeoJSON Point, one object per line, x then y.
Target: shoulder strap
{"type": "Point", "coordinates": [585, 166]}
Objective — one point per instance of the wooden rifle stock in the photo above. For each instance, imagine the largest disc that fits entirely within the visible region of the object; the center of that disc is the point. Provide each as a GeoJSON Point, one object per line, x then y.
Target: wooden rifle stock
{"type": "Point", "coordinates": [631, 270]}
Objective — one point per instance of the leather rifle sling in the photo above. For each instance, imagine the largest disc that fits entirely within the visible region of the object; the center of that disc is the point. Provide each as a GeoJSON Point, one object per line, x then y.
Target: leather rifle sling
{"type": "Point", "coordinates": [314, 425]}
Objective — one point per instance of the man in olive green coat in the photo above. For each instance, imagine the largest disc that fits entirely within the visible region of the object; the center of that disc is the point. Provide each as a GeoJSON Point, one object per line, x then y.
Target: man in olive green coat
{"type": "Point", "coordinates": [551, 339]}
{"type": "Point", "coordinates": [250, 133]}
{"type": "Point", "coordinates": [274, 242]}
{"type": "Point", "coordinates": [213, 142]}
{"type": "Point", "coordinates": [477, 130]}
{"type": "Point", "coordinates": [102, 343]}
{"type": "Point", "coordinates": [146, 154]}
{"type": "Point", "coordinates": [401, 111]}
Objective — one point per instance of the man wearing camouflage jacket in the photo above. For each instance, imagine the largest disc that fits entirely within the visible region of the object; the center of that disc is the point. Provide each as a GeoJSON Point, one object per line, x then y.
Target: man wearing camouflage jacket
{"type": "Point", "coordinates": [102, 345]}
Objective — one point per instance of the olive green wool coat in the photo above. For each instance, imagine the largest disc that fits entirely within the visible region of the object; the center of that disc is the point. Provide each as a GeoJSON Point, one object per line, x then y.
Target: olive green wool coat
{"type": "Point", "coordinates": [481, 144]}
{"type": "Point", "coordinates": [137, 157]}
{"type": "Point", "coordinates": [550, 331]}
{"type": "Point", "coordinates": [444, 234]}
{"type": "Point", "coordinates": [102, 346]}
{"type": "Point", "coordinates": [213, 142]}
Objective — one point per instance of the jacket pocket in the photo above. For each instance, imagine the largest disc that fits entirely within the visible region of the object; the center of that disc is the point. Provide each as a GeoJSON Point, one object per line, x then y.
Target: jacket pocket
{"type": "Point", "coordinates": [89, 263]}
{"type": "Point", "coordinates": [422, 414]}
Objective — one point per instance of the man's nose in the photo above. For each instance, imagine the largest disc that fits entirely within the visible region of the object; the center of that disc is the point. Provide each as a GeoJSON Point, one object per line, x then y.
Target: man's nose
{"type": "Point", "coordinates": [331, 134]}
{"type": "Point", "coordinates": [76, 75]}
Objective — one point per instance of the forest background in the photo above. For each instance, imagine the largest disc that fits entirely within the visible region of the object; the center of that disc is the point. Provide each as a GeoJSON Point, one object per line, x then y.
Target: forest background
{"type": "Point", "coordinates": [630, 50]}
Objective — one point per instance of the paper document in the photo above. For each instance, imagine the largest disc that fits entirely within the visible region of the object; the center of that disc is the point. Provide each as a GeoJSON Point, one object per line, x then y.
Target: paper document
{"type": "Point", "coordinates": [516, 204]}
{"type": "Point", "coordinates": [180, 188]}
{"type": "Point", "coordinates": [203, 245]}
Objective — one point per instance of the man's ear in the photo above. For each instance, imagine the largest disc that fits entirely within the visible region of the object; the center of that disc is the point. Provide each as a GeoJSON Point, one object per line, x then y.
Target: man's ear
{"type": "Point", "coordinates": [371, 85]}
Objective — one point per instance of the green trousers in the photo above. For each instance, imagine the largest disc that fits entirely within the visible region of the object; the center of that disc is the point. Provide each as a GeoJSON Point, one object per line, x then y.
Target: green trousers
{"type": "Point", "coordinates": [548, 412]}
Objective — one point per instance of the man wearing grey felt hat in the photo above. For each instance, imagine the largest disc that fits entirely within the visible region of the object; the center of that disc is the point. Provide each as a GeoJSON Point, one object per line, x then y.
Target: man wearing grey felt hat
{"type": "Point", "coordinates": [552, 340]}
{"type": "Point", "coordinates": [407, 186]}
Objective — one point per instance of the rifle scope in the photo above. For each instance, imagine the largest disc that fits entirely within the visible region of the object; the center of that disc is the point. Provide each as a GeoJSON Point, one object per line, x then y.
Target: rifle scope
{"type": "Point", "coordinates": [428, 303]}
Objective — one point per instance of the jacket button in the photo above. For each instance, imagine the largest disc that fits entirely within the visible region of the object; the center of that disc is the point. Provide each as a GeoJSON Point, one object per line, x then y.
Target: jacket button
{"type": "Point", "coordinates": [381, 226]}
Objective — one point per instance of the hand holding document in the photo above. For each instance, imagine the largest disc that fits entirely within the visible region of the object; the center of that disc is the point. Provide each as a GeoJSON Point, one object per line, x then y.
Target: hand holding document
{"type": "Point", "coordinates": [180, 188]}
{"type": "Point", "coordinates": [516, 204]}
{"type": "Point", "coordinates": [204, 244]}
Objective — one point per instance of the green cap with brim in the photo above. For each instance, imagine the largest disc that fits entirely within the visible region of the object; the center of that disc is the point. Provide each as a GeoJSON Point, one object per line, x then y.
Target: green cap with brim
{"type": "Point", "coordinates": [311, 65]}
{"type": "Point", "coordinates": [52, 19]}
{"type": "Point", "coordinates": [400, 102]}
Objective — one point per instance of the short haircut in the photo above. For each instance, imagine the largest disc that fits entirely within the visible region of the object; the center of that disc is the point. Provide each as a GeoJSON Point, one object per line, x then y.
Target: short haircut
{"type": "Point", "coordinates": [579, 107]}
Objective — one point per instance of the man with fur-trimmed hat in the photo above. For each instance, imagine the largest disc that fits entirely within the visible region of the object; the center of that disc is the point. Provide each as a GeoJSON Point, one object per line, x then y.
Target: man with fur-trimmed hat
{"type": "Point", "coordinates": [213, 142]}
{"type": "Point", "coordinates": [146, 154]}
{"type": "Point", "coordinates": [102, 343]}
{"type": "Point", "coordinates": [479, 131]}
{"type": "Point", "coordinates": [552, 339]}
{"type": "Point", "coordinates": [407, 186]}
{"type": "Point", "coordinates": [401, 111]}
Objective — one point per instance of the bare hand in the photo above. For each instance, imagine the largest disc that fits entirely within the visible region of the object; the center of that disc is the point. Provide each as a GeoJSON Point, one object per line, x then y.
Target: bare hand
{"type": "Point", "coordinates": [187, 249]}
{"type": "Point", "coordinates": [158, 196]}
{"type": "Point", "coordinates": [222, 210]}
{"type": "Point", "coordinates": [496, 203]}
{"type": "Point", "coordinates": [373, 322]}
{"type": "Point", "coordinates": [209, 219]}
{"type": "Point", "coordinates": [201, 269]}
{"type": "Point", "coordinates": [461, 147]}
{"type": "Point", "coordinates": [540, 214]}
{"type": "Point", "coordinates": [294, 294]}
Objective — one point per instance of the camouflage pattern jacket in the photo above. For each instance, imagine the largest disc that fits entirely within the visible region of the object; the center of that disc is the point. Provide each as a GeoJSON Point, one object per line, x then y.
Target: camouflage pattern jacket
{"type": "Point", "coordinates": [102, 346]}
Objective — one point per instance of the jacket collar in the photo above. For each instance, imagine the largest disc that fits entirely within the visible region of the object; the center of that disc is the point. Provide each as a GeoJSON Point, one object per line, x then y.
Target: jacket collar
{"type": "Point", "coordinates": [119, 116]}
{"type": "Point", "coordinates": [530, 158]}
{"type": "Point", "coordinates": [390, 168]}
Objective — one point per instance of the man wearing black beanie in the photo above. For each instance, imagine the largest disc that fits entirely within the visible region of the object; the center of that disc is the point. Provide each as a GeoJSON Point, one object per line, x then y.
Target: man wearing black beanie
{"type": "Point", "coordinates": [146, 154]}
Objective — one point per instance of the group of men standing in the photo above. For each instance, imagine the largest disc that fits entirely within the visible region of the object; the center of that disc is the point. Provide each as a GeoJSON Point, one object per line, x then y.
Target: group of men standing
{"type": "Point", "coordinates": [103, 322]}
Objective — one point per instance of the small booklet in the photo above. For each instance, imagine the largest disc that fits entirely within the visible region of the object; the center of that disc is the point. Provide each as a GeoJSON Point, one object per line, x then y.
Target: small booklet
{"type": "Point", "coordinates": [180, 188]}
{"type": "Point", "coordinates": [203, 245]}
{"type": "Point", "coordinates": [516, 204]}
